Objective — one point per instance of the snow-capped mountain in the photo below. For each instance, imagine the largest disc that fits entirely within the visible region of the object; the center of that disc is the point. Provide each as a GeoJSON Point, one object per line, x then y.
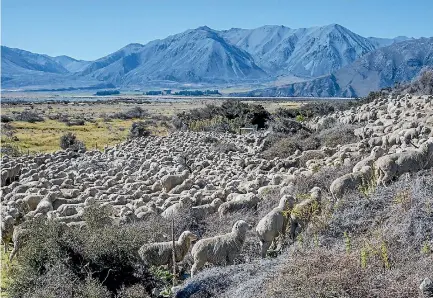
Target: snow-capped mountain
{"type": "Point", "coordinates": [305, 52]}
{"type": "Point", "coordinates": [17, 60]}
{"type": "Point", "coordinates": [198, 55]}
{"type": "Point", "coordinates": [70, 64]}
{"type": "Point", "coordinates": [399, 62]}
{"type": "Point", "coordinates": [202, 55]}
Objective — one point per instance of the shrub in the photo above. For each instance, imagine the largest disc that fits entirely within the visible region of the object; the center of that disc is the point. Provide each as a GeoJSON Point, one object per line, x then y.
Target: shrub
{"type": "Point", "coordinates": [58, 261]}
{"type": "Point", "coordinates": [337, 135]}
{"type": "Point", "coordinates": [138, 130]}
{"type": "Point", "coordinates": [69, 140]}
{"type": "Point", "coordinates": [6, 119]}
{"type": "Point", "coordinates": [282, 148]}
{"type": "Point", "coordinates": [75, 122]}
{"type": "Point", "coordinates": [230, 116]}
{"type": "Point", "coordinates": [133, 113]}
{"type": "Point", "coordinates": [29, 116]}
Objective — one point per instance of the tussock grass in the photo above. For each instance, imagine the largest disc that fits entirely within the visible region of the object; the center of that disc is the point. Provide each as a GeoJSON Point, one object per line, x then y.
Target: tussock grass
{"type": "Point", "coordinates": [45, 136]}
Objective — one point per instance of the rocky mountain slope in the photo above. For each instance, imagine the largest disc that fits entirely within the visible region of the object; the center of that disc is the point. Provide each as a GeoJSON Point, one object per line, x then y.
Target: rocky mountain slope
{"type": "Point", "coordinates": [399, 62]}
{"type": "Point", "coordinates": [199, 55]}
{"type": "Point", "coordinates": [305, 52]}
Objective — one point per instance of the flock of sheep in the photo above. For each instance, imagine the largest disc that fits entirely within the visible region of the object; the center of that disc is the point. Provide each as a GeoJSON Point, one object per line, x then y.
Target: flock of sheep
{"type": "Point", "coordinates": [184, 173]}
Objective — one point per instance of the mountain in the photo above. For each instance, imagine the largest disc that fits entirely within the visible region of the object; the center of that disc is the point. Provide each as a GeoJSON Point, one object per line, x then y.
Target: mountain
{"type": "Point", "coordinates": [399, 62]}
{"type": "Point", "coordinates": [384, 42]}
{"type": "Point", "coordinates": [23, 69]}
{"type": "Point", "coordinates": [198, 55]}
{"type": "Point", "coordinates": [305, 52]}
{"type": "Point", "coordinates": [203, 56]}
{"type": "Point", "coordinates": [71, 64]}
{"type": "Point", "coordinates": [16, 60]}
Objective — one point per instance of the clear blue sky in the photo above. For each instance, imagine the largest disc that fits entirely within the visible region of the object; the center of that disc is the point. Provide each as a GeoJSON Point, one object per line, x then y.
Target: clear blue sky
{"type": "Point", "coordinates": [90, 29]}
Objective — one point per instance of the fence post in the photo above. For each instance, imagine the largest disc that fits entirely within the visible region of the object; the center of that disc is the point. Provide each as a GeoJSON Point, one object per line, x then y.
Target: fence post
{"type": "Point", "coordinates": [173, 252]}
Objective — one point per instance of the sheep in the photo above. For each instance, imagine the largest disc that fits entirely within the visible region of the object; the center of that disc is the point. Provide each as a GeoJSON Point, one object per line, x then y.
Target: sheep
{"type": "Point", "coordinates": [170, 181]}
{"type": "Point", "coordinates": [249, 201]}
{"type": "Point", "coordinates": [350, 181]}
{"type": "Point", "coordinates": [303, 211]}
{"type": "Point", "coordinates": [393, 165]}
{"type": "Point", "coordinates": [184, 204]}
{"type": "Point", "coordinates": [376, 152]}
{"type": "Point", "coordinates": [160, 253]}
{"type": "Point", "coordinates": [219, 250]}
{"type": "Point", "coordinates": [19, 236]}
{"type": "Point", "coordinates": [201, 211]}
{"type": "Point", "coordinates": [7, 228]}
{"type": "Point", "coordinates": [274, 224]}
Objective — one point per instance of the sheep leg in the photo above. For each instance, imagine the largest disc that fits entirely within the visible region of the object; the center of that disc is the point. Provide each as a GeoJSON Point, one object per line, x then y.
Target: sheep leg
{"type": "Point", "coordinates": [198, 264]}
{"type": "Point", "coordinates": [14, 251]}
{"type": "Point", "coordinates": [293, 227]}
{"type": "Point", "coordinates": [264, 245]}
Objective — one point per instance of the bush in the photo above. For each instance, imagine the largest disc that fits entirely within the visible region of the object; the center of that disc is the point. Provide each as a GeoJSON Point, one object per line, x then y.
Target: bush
{"type": "Point", "coordinates": [138, 130]}
{"type": "Point", "coordinates": [337, 135]}
{"type": "Point", "coordinates": [6, 119]}
{"type": "Point", "coordinates": [95, 261]}
{"type": "Point", "coordinates": [70, 141]}
{"type": "Point", "coordinates": [133, 113]}
{"type": "Point", "coordinates": [228, 117]}
{"type": "Point", "coordinates": [29, 116]}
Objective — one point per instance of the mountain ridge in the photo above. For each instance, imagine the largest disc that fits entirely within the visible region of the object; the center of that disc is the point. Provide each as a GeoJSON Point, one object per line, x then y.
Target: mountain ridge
{"type": "Point", "coordinates": [203, 56]}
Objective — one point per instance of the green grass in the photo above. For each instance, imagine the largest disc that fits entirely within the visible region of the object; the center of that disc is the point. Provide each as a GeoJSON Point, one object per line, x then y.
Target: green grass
{"type": "Point", "coordinates": [5, 269]}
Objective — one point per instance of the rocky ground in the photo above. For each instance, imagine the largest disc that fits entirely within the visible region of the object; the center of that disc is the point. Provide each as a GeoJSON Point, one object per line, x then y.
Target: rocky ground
{"type": "Point", "coordinates": [371, 235]}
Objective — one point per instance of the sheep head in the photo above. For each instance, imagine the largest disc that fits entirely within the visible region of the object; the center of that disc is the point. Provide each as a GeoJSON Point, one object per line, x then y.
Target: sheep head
{"type": "Point", "coordinates": [187, 235]}
{"type": "Point", "coordinates": [216, 203]}
{"type": "Point", "coordinates": [287, 202]}
{"type": "Point", "coordinates": [241, 227]}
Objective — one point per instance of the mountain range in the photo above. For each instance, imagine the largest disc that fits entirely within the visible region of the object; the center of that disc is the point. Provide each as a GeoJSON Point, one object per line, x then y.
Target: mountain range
{"type": "Point", "coordinates": [326, 61]}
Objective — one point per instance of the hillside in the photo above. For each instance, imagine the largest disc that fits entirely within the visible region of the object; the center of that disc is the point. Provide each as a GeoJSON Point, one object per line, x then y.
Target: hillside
{"type": "Point", "coordinates": [397, 63]}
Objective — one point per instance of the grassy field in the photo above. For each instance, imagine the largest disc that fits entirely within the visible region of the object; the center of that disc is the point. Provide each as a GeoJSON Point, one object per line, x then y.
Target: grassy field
{"type": "Point", "coordinates": [45, 136]}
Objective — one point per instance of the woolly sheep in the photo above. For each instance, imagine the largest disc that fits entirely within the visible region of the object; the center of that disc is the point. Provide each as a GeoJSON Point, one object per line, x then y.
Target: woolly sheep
{"type": "Point", "coordinates": [7, 228]}
{"type": "Point", "coordinates": [219, 250]}
{"type": "Point", "coordinates": [160, 253]}
{"type": "Point", "coordinates": [393, 165]}
{"type": "Point", "coordinates": [201, 211]}
{"type": "Point", "coordinates": [170, 181]}
{"type": "Point", "coordinates": [20, 235]}
{"type": "Point", "coordinates": [274, 224]}
{"type": "Point", "coordinates": [376, 152]}
{"type": "Point", "coordinates": [184, 205]}
{"type": "Point", "coordinates": [242, 202]}
{"type": "Point", "coordinates": [350, 182]}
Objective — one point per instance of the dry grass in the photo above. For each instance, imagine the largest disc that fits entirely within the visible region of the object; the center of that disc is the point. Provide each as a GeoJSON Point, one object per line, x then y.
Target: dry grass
{"type": "Point", "coordinates": [45, 136]}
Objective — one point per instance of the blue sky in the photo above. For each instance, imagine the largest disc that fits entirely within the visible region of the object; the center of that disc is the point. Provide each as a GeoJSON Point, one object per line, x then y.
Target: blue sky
{"type": "Point", "coordinates": [90, 29]}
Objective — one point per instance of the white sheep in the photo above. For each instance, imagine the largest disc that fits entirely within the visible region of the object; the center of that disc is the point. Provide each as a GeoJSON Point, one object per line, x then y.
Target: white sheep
{"type": "Point", "coordinates": [350, 181]}
{"type": "Point", "coordinates": [274, 224]}
{"type": "Point", "coordinates": [220, 250]}
{"type": "Point", "coordinates": [394, 165]}
{"type": "Point", "coordinates": [170, 181]}
{"type": "Point", "coordinates": [7, 229]}
{"type": "Point", "coordinates": [376, 152]}
{"type": "Point", "coordinates": [160, 253]}
{"type": "Point", "coordinates": [184, 205]}
{"type": "Point", "coordinates": [19, 236]}
{"type": "Point", "coordinates": [241, 202]}
{"type": "Point", "coordinates": [201, 211]}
